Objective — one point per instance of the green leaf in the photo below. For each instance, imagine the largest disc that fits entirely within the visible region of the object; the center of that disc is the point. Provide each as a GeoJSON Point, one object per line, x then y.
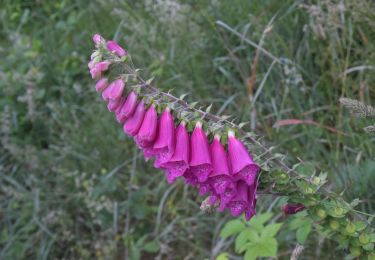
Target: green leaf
{"type": "Point", "coordinates": [208, 109]}
{"type": "Point", "coordinates": [222, 256]}
{"type": "Point", "coordinates": [151, 247]}
{"type": "Point", "coordinates": [250, 255]}
{"type": "Point", "coordinates": [297, 223]}
{"type": "Point", "coordinates": [258, 221]}
{"type": "Point", "coordinates": [360, 225]}
{"type": "Point", "coordinates": [231, 228]}
{"type": "Point", "coordinates": [264, 247]}
{"type": "Point", "coordinates": [369, 247]}
{"type": "Point", "coordinates": [372, 237]}
{"type": "Point", "coordinates": [271, 230]}
{"type": "Point", "coordinates": [306, 169]}
{"type": "Point", "coordinates": [245, 236]}
{"type": "Point", "coordinates": [303, 232]}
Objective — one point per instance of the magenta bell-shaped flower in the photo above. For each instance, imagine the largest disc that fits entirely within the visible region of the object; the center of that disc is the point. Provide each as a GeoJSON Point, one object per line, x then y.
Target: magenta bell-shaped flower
{"type": "Point", "coordinates": [243, 166]}
{"type": "Point", "coordinates": [214, 197]}
{"type": "Point", "coordinates": [220, 176]}
{"type": "Point", "coordinates": [97, 38]}
{"type": "Point", "coordinates": [98, 68]}
{"type": "Point", "coordinates": [114, 90]}
{"type": "Point", "coordinates": [101, 84]}
{"type": "Point", "coordinates": [252, 193]}
{"type": "Point", "coordinates": [240, 202]}
{"type": "Point", "coordinates": [179, 162]}
{"type": "Point", "coordinates": [114, 104]}
{"type": "Point", "coordinates": [200, 160]}
{"type": "Point", "coordinates": [204, 188]}
{"type": "Point", "coordinates": [164, 145]}
{"type": "Point", "coordinates": [227, 195]}
{"type": "Point", "coordinates": [116, 48]}
{"type": "Point", "coordinates": [147, 133]}
{"type": "Point", "coordinates": [190, 178]}
{"type": "Point", "coordinates": [290, 209]}
{"type": "Point", "coordinates": [132, 125]}
{"type": "Point", "coordinates": [127, 109]}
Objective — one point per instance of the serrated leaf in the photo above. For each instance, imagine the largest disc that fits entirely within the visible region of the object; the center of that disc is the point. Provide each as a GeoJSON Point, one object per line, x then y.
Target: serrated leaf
{"type": "Point", "coordinates": [222, 256]}
{"type": "Point", "coordinates": [232, 227]}
{"type": "Point", "coordinates": [303, 232]}
{"type": "Point", "coordinates": [271, 230]}
{"type": "Point", "coordinates": [250, 255]}
{"type": "Point", "coordinates": [258, 221]}
{"type": "Point", "coordinates": [245, 236]}
{"type": "Point", "coordinates": [297, 222]}
{"type": "Point", "coordinates": [265, 247]}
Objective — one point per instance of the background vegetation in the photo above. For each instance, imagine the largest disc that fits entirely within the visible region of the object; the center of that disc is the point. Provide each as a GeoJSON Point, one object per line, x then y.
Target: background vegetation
{"type": "Point", "coordinates": [72, 186]}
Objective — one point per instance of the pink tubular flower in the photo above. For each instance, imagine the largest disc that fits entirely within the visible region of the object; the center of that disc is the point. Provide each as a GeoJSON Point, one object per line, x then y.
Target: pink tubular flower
{"type": "Point", "coordinates": [127, 109]}
{"type": "Point", "coordinates": [200, 161]}
{"type": "Point", "coordinates": [114, 104]}
{"type": "Point", "coordinates": [101, 84]}
{"type": "Point", "coordinates": [240, 202]}
{"type": "Point", "coordinates": [98, 68]}
{"type": "Point", "coordinates": [95, 73]}
{"type": "Point", "coordinates": [114, 90]}
{"type": "Point", "coordinates": [97, 38]}
{"type": "Point", "coordinates": [90, 64]}
{"type": "Point", "coordinates": [165, 143]}
{"type": "Point", "coordinates": [190, 178]}
{"type": "Point", "coordinates": [220, 176]}
{"type": "Point", "coordinates": [204, 188]}
{"type": "Point", "coordinates": [243, 166]}
{"type": "Point", "coordinates": [116, 48]}
{"type": "Point", "coordinates": [213, 198]}
{"type": "Point", "coordinates": [179, 162]}
{"type": "Point", "coordinates": [132, 125]}
{"type": "Point", "coordinates": [227, 195]}
{"type": "Point", "coordinates": [290, 209]}
{"type": "Point", "coordinates": [250, 211]}
{"type": "Point", "coordinates": [147, 132]}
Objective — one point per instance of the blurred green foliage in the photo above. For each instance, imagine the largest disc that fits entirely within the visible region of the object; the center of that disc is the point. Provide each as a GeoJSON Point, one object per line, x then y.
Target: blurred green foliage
{"type": "Point", "coordinates": [74, 187]}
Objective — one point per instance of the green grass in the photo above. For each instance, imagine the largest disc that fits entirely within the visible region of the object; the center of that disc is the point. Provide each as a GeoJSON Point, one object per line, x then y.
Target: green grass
{"type": "Point", "coordinates": [73, 186]}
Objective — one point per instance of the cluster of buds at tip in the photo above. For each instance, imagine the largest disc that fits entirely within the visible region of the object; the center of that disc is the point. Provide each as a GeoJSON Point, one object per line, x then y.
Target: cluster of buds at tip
{"type": "Point", "coordinates": [226, 172]}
